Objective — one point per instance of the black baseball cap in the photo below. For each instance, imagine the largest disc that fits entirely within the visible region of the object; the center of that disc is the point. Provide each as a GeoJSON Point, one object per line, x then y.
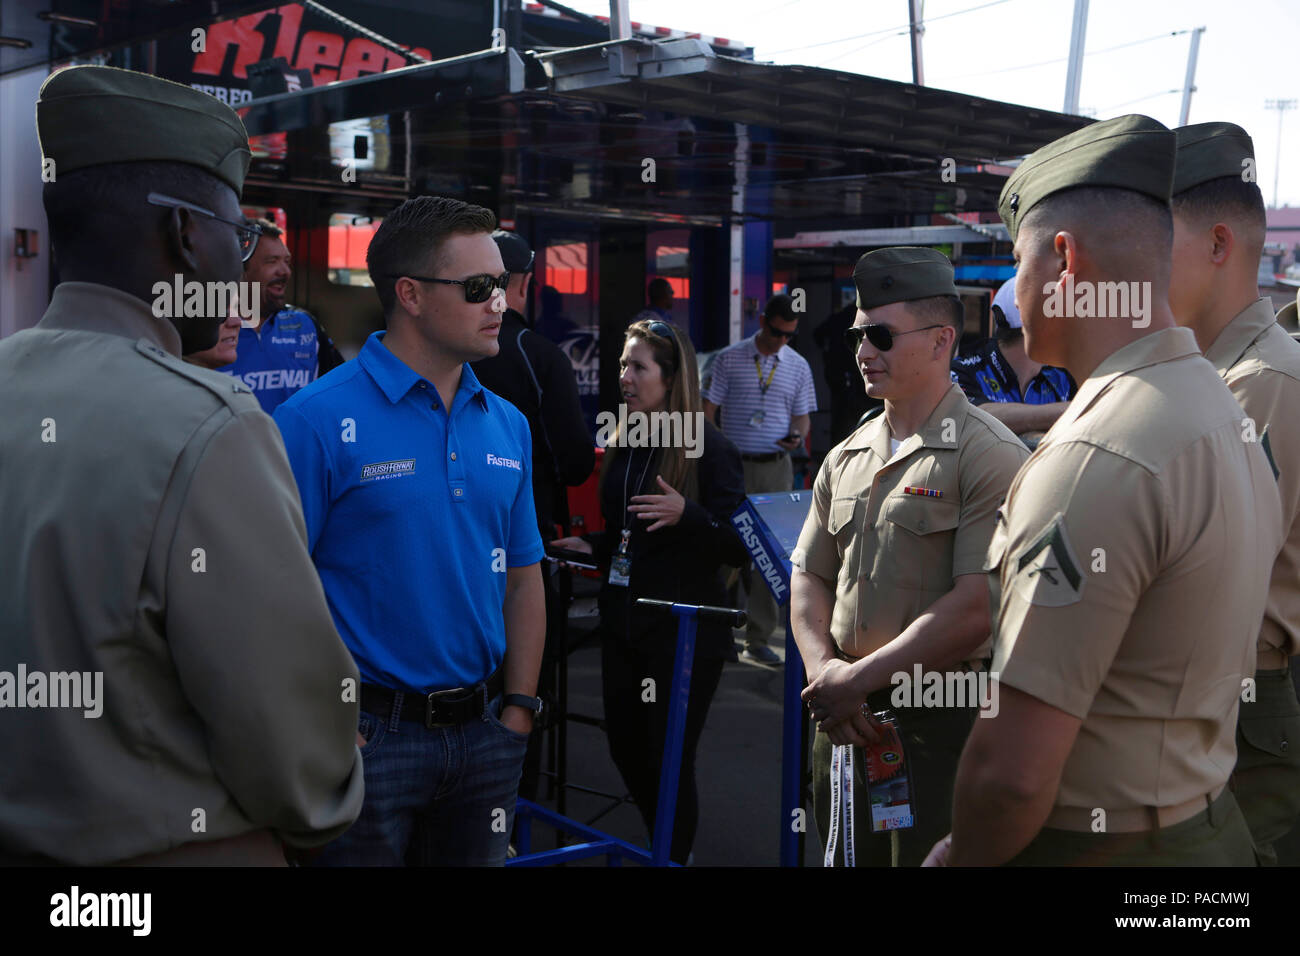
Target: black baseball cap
{"type": "Point", "coordinates": [516, 255]}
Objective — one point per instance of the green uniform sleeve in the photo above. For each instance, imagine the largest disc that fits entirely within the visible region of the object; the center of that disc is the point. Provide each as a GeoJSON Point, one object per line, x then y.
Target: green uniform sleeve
{"type": "Point", "coordinates": [254, 644]}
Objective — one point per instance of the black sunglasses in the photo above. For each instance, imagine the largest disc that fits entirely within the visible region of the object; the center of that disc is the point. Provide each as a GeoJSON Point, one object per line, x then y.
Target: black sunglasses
{"type": "Point", "coordinates": [773, 330]}
{"type": "Point", "coordinates": [879, 336]}
{"type": "Point", "coordinates": [662, 330]}
{"type": "Point", "coordinates": [248, 232]}
{"type": "Point", "coordinates": [478, 288]}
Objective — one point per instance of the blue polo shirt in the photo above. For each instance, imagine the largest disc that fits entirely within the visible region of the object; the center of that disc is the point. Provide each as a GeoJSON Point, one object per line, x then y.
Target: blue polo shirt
{"type": "Point", "coordinates": [412, 516]}
{"type": "Point", "coordinates": [278, 358]}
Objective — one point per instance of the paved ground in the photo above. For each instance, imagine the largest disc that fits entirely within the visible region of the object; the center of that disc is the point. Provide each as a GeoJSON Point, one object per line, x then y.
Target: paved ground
{"type": "Point", "coordinates": [738, 764]}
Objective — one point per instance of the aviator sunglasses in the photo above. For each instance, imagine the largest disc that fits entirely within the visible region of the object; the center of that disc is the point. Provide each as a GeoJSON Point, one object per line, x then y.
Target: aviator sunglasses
{"type": "Point", "coordinates": [879, 336]}
{"type": "Point", "coordinates": [478, 288]}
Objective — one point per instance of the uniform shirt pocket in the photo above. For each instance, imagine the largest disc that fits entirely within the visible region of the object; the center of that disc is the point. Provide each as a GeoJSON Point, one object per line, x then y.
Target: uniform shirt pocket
{"type": "Point", "coordinates": [845, 522]}
{"type": "Point", "coordinates": [918, 551]}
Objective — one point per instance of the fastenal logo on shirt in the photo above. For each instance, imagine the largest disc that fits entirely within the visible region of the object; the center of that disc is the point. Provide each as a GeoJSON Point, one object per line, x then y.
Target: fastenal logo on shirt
{"type": "Point", "coordinates": [388, 469]}
{"type": "Point", "coordinates": [504, 462]}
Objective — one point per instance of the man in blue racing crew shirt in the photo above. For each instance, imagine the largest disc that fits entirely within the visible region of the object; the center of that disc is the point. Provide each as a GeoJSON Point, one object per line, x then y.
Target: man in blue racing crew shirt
{"type": "Point", "coordinates": [992, 376]}
{"type": "Point", "coordinates": [288, 348]}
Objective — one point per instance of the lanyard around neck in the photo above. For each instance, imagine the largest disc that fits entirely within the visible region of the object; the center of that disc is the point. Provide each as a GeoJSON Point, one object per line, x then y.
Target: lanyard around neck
{"type": "Point", "coordinates": [763, 386]}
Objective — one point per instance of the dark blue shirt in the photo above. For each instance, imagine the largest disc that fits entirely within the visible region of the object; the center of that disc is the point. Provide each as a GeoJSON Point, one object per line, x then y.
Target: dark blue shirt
{"type": "Point", "coordinates": [413, 516]}
{"type": "Point", "coordinates": [986, 376]}
{"type": "Point", "coordinates": [281, 356]}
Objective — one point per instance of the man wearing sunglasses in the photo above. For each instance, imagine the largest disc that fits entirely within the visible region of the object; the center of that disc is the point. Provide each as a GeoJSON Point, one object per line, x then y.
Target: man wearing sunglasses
{"type": "Point", "coordinates": [889, 566]}
{"type": "Point", "coordinates": [760, 394]}
{"type": "Point", "coordinates": [132, 547]}
{"type": "Point", "coordinates": [417, 490]}
{"type": "Point", "coordinates": [287, 349]}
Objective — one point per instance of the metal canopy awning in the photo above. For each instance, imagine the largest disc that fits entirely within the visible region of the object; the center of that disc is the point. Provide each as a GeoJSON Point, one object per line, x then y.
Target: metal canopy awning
{"type": "Point", "coordinates": [487, 73]}
{"type": "Point", "coordinates": [686, 76]}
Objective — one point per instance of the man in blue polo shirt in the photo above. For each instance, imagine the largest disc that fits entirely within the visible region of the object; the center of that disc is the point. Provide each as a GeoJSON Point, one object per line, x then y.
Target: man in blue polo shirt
{"type": "Point", "coordinates": [417, 493]}
{"type": "Point", "coordinates": [288, 349]}
{"type": "Point", "coordinates": [1024, 395]}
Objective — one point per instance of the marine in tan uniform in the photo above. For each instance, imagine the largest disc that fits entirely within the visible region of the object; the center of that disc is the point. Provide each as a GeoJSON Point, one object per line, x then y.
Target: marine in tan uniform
{"type": "Point", "coordinates": [889, 563]}
{"type": "Point", "coordinates": [150, 530]}
{"type": "Point", "coordinates": [1218, 239]}
{"type": "Point", "coordinates": [1134, 554]}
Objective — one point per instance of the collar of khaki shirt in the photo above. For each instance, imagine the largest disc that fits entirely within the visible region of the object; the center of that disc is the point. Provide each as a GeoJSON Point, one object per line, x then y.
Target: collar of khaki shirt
{"type": "Point", "coordinates": [1239, 334]}
{"type": "Point", "coordinates": [1163, 346]}
{"type": "Point", "coordinates": [91, 307]}
{"type": "Point", "coordinates": [875, 437]}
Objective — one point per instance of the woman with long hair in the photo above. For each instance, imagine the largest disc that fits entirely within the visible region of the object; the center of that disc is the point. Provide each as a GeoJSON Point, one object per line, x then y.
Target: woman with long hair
{"type": "Point", "coordinates": [668, 535]}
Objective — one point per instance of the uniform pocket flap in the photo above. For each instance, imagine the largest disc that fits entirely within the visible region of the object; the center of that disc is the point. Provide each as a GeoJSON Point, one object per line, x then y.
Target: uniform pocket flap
{"type": "Point", "coordinates": [921, 515]}
{"type": "Point", "coordinates": [841, 514]}
{"type": "Point", "coordinates": [1273, 735]}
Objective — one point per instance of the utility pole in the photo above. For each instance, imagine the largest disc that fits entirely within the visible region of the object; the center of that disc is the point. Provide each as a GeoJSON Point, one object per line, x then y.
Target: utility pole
{"type": "Point", "coordinates": [916, 20]}
{"type": "Point", "coordinates": [1281, 106]}
{"type": "Point", "coordinates": [1075, 68]}
{"type": "Point", "coordinates": [1189, 82]}
{"type": "Point", "coordinates": [620, 20]}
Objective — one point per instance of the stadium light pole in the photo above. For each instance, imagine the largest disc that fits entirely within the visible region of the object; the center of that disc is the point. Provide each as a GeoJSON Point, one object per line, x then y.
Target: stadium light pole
{"type": "Point", "coordinates": [1281, 106]}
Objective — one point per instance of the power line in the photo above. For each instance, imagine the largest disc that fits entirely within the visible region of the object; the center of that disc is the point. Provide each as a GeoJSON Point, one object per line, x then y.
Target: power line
{"type": "Point", "coordinates": [1140, 99]}
{"type": "Point", "coordinates": [876, 33]}
{"type": "Point", "coordinates": [865, 46]}
{"type": "Point", "coordinates": [1060, 59]}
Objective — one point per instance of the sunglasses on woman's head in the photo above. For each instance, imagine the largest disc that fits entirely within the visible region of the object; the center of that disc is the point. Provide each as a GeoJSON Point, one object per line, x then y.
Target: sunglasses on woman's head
{"type": "Point", "coordinates": [879, 336]}
{"type": "Point", "coordinates": [478, 288]}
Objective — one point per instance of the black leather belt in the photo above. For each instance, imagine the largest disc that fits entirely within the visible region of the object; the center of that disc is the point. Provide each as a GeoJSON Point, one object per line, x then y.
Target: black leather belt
{"type": "Point", "coordinates": [442, 708]}
{"type": "Point", "coordinates": [773, 456]}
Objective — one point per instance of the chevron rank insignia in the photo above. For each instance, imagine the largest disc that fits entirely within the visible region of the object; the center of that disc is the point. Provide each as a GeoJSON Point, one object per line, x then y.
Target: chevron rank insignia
{"type": "Point", "coordinates": [1048, 573]}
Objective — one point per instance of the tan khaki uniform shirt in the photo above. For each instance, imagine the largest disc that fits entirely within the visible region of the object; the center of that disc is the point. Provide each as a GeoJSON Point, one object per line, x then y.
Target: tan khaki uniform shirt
{"type": "Point", "coordinates": [1134, 561]}
{"type": "Point", "coordinates": [1261, 365]}
{"type": "Point", "coordinates": [892, 552]}
{"type": "Point", "coordinates": [150, 530]}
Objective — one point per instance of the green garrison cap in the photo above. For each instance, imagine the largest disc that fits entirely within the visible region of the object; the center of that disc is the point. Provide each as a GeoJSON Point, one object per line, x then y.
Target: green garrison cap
{"type": "Point", "coordinates": [1128, 152]}
{"type": "Point", "coordinates": [902, 273]}
{"type": "Point", "coordinates": [94, 115]}
{"type": "Point", "coordinates": [1210, 151]}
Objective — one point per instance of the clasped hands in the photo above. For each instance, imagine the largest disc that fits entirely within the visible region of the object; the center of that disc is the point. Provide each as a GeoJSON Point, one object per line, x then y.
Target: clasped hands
{"type": "Point", "coordinates": [838, 704]}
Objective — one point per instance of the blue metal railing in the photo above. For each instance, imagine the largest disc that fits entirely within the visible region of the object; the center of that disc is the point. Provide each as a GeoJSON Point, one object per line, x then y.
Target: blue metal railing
{"type": "Point", "coordinates": [597, 842]}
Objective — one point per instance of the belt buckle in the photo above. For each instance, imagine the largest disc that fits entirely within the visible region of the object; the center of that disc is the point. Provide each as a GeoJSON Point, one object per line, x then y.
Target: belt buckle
{"type": "Point", "coordinates": [431, 704]}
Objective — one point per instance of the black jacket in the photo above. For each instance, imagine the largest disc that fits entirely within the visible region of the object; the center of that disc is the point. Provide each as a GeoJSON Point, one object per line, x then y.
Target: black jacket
{"type": "Point", "coordinates": [685, 562]}
{"type": "Point", "coordinates": [563, 450]}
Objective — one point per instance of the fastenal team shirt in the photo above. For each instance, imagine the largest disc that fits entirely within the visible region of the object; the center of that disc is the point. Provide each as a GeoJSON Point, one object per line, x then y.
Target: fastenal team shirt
{"type": "Point", "coordinates": [414, 516]}
{"type": "Point", "coordinates": [285, 353]}
{"type": "Point", "coordinates": [986, 376]}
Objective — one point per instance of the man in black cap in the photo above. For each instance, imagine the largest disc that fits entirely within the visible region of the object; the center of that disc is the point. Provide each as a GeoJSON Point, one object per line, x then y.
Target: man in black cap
{"type": "Point", "coordinates": [1218, 238]}
{"type": "Point", "coordinates": [534, 375]}
{"type": "Point", "coordinates": [227, 719]}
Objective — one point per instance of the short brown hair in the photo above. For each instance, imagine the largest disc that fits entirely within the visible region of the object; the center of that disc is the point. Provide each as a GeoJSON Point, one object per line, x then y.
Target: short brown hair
{"type": "Point", "coordinates": [269, 229]}
{"type": "Point", "coordinates": [411, 237]}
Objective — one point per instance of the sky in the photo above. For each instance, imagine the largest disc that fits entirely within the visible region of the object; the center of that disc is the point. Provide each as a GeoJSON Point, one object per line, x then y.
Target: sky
{"type": "Point", "coordinates": [989, 48]}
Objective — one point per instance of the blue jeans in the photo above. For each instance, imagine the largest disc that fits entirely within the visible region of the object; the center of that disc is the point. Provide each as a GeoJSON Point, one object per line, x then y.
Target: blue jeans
{"type": "Point", "coordinates": [441, 797]}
